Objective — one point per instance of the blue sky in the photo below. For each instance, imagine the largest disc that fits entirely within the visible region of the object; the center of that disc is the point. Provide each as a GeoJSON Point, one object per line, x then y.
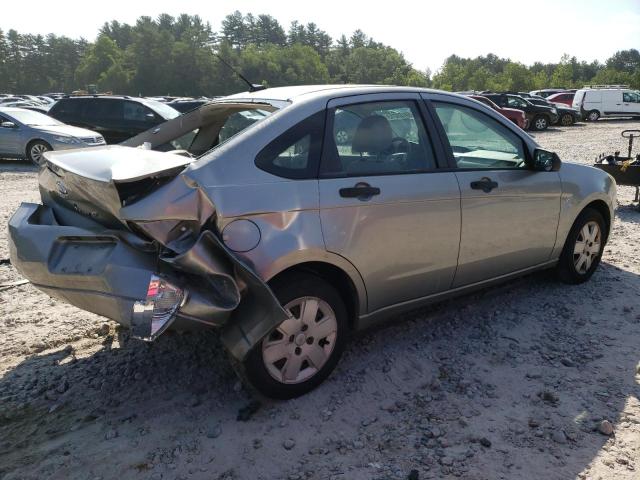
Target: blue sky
{"type": "Point", "coordinates": [425, 31]}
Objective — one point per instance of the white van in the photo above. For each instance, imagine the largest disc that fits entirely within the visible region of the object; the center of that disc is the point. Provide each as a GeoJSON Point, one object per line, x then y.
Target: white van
{"type": "Point", "coordinates": [607, 101]}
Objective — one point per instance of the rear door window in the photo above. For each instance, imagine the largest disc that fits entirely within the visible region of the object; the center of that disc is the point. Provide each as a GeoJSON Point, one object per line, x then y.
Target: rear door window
{"type": "Point", "coordinates": [515, 102]}
{"type": "Point", "coordinates": [140, 114]}
{"type": "Point", "coordinates": [104, 109]}
{"type": "Point", "coordinates": [377, 138]}
{"type": "Point", "coordinates": [69, 108]}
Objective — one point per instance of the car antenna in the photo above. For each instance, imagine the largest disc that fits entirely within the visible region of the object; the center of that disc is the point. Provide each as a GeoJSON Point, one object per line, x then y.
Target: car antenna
{"type": "Point", "coordinates": [253, 87]}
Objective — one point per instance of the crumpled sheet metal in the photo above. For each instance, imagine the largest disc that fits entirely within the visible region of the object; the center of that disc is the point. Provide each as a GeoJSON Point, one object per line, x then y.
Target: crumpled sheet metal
{"type": "Point", "coordinates": [223, 291]}
{"type": "Point", "coordinates": [230, 287]}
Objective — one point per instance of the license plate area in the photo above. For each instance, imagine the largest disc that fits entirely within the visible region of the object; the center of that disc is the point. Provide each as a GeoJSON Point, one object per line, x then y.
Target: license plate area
{"type": "Point", "coordinates": [80, 256]}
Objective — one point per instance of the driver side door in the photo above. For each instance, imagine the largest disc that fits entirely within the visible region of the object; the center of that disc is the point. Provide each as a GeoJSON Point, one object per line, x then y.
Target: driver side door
{"type": "Point", "coordinates": [509, 211]}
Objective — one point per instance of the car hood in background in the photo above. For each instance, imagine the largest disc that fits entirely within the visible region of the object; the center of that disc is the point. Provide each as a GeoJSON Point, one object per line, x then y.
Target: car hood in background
{"type": "Point", "coordinates": [66, 130]}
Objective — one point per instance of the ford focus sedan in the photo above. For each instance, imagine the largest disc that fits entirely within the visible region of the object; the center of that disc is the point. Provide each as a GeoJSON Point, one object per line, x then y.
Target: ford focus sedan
{"type": "Point", "coordinates": [28, 134]}
{"type": "Point", "coordinates": [288, 237]}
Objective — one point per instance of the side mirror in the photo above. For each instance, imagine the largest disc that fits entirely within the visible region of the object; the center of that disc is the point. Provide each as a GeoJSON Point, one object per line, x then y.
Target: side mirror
{"type": "Point", "coordinates": [8, 125]}
{"type": "Point", "coordinates": [545, 161]}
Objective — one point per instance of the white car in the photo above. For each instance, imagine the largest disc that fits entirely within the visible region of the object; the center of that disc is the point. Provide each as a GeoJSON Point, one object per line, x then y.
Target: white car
{"type": "Point", "coordinates": [612, 101]}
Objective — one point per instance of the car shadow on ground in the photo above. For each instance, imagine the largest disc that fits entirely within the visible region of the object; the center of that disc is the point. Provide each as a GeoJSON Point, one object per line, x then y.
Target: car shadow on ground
{"type": "Point", "coordinates": [509, 367]}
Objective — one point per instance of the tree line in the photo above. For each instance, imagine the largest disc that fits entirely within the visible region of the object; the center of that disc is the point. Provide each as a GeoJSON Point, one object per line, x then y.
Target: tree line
{"type": "Point", "coordinates": [181, 56]}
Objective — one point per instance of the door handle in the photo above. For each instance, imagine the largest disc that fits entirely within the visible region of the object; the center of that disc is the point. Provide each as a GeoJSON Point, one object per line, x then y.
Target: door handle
{"type": "Point", "coordinates": [361, 191]}
{"type": "Point", "coordinates": [486, 185]}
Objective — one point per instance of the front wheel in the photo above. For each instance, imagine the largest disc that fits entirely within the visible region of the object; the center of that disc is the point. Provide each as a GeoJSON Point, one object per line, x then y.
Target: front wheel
{"type": "Point", "coordinates": [540, 123]}
{"type": "Point", "coordinates": [583, 248]}
{"type": "Point", "coordinates": [36, 150]}
{"type": "Point", "coordinates": [303, 350]}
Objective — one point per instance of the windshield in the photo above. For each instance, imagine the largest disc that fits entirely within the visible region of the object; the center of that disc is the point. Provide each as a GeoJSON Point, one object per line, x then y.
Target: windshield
{"type": "Point", "coordinates": [31, 118]}
{"type": "Point", "coordinates": [163, 110]}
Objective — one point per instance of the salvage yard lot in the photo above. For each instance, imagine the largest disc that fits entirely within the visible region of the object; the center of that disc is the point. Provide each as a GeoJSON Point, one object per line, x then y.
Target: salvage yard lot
{"type": "Point", "coordinates": [509, 383]}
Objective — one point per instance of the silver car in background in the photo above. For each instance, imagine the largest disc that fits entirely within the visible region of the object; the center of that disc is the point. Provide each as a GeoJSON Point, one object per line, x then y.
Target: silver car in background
{"type": "Point", "coordinates": [287, 236]}
{"type": "Point", "coordinates": [28, 134]}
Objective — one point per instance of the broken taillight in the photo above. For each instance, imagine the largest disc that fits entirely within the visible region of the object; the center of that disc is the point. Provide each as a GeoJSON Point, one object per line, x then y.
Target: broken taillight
{"type": "Point", "coordinates": [156, 313]}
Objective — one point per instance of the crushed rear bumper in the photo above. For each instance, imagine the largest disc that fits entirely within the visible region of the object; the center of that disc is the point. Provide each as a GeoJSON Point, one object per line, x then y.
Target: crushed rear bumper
{"type": "Point", "coordinates": [113, 273]}
{"type": "Point", "coordinates": [98, 272]}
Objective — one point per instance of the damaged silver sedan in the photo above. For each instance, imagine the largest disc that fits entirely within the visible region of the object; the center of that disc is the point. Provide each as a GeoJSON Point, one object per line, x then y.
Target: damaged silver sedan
{"type": "Point", "coordinates": [290, 217]}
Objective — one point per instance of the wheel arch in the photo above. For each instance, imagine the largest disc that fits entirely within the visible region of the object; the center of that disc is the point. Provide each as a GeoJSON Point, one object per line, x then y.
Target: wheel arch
{"type": "Point", "coordinates": [601, 207]}
{"type": "Point", "coordinates": [31, 142]}
{"type": "Point", "coordinates": [343, 282]}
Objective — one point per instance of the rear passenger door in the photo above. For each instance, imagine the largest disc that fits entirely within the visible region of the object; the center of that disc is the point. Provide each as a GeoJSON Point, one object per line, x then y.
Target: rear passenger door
{"type": "Point", "coordinates": [384, 203]}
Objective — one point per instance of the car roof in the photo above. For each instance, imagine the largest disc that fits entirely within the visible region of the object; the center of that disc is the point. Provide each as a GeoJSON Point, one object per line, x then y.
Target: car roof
{"type": "Point", "coordinates": [294, 93]}
{"type": "Point", "coordinates": [11, 109]}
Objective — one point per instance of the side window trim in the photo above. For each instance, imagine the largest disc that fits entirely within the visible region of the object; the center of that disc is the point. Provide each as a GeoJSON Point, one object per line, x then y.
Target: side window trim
{"type": "Point", "coordinates": [444, 140]}
{"type": "Point", "coordinates": [328, 139]}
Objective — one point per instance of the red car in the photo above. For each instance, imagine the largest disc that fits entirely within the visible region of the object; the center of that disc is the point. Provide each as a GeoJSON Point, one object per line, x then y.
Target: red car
{"type": "Point", "coordinates": [516, 116]}
{"type": "Point", "coordinates": [565, 98]}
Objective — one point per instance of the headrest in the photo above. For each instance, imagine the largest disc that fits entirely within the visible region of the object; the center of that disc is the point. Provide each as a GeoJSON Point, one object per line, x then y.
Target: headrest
{"type": "Point", "coordinates": [373, 135]}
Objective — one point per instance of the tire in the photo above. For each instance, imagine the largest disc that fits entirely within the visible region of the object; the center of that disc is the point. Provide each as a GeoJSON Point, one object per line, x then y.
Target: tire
{"type": "Point", "coordinates": [593, 115]}
{"type": "Point", "coordinates": [540, 123]}
{"type": "Point", "coordinates": [35, 150]}
{"type": "Point", "coordinates": [575, 268]}
{"type": "Point", "coordinates": [566, 120]}
{"type": "Point", "coordinates": [342, 137]}
{"type": "Point", "coordinates": [295, 340]}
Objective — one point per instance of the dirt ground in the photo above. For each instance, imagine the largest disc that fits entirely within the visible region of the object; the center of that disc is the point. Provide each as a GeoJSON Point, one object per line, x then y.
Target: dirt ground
{"type": "Point", "coordinates": [510, 383]}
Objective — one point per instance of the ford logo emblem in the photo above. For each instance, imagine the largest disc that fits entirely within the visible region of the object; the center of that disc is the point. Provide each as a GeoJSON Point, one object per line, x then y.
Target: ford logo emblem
{"type": "Point", "coordinates": [61, 188]}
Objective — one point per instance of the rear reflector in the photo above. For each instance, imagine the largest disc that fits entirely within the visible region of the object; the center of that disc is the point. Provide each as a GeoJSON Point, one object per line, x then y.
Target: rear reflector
{"type": "Point", "coordinates": [156, 313]}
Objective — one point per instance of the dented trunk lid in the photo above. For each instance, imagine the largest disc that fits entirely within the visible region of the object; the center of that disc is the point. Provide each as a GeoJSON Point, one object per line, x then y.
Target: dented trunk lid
{"type": "Point", "coordinates": [97, 182]}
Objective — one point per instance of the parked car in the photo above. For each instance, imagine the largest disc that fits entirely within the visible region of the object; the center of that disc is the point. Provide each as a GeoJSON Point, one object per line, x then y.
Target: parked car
{"type": "Point", "coordinates": [545, 92]}
{"type": "Point", "coordinates": [46, 100]}
{"type": "Point", "coordinates": [25, 133]}
{"type": "Point", "coordinates": [539, 116]}
{"type": "Point", "coordinates": [288, 241]}
{"type": "Point", "coordinates": [606, 101]}
{"type": "Point", "coordinates": [565, 98]}
{"type": "Point", "coordinates": [55, 95]}
{"type": "Point", "coordinates": [31, 98]}
{"type": "Point", "coordinates": [516, 116]}
{"type": "Point", "coordinates": [10, 99]}
{"type": "Point", "coordinates": [566, 116]}
{"type": "Point", "coordinates": [116, 118]}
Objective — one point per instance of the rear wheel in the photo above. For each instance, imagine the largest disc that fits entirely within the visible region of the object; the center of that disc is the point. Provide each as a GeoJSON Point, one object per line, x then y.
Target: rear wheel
{"type": "Point", "coordinates": [36, 149]}
{"type": "Point", "coordinates": [593, 115]}
{"type": "Point", "coordinates": [566, 120]}
{"type": "Point", "coordinates": [303, 350]}
{"type": "Point", "coordinates": [540, 123]}
{"type": "Point", "coordinates": [583, 248]}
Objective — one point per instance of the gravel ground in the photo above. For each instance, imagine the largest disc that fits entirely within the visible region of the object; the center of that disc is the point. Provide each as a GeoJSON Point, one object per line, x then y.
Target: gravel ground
{"type": "Point", "coordinates": [534, 379]}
